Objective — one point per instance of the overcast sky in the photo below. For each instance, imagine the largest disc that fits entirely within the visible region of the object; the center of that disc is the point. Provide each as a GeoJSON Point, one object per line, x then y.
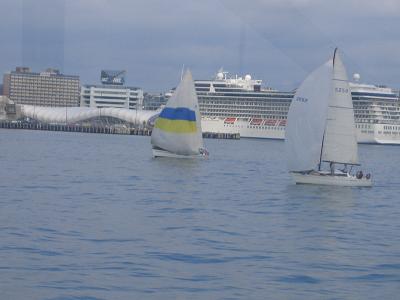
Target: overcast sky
{"type": "Point", "coordinates": [278, 41]}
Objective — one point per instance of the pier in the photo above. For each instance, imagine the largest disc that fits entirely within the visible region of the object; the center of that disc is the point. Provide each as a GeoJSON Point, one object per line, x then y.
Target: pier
{"type": "Point", "coordinates": [105, 129]}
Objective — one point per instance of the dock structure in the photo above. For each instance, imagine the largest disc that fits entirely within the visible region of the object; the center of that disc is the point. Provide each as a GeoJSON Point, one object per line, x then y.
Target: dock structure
{"type": "Point", "coordinates": [103, 129]}
{"type": "Point", "coordinates": [85, 120]}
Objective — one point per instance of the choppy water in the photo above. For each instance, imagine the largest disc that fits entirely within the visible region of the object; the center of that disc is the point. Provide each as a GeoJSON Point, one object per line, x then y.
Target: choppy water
{"type": "Point", "coordinates": [86, 216]}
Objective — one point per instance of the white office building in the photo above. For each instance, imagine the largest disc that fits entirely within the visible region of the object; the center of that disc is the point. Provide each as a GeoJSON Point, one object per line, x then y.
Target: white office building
{"type": "Point", "coordinates": [100, 96]}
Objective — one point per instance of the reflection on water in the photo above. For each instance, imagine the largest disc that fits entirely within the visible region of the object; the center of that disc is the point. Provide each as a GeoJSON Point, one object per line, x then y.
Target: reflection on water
{"type": "Point", "coordinates": [87, 216]}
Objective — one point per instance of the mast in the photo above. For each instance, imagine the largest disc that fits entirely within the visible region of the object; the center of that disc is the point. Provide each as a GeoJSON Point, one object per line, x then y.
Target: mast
{"type": "Point", "coordinates": [323, 137]}
{"type": "Point", "coordinates": [320, 155]}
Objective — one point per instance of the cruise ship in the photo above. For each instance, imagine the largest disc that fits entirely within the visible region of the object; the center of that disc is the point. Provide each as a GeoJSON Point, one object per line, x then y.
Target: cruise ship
{"type": "Point", "coordinates": [242, 105]}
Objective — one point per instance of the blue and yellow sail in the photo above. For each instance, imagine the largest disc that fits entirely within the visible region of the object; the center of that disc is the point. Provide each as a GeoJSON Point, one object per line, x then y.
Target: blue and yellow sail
{"type": "Point", "coordinates": [177, 120]}
{"type": "Point", "coordinates": [177, 129]}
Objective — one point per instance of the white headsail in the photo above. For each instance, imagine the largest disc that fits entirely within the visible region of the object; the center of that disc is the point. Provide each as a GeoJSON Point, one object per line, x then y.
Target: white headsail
{"type": "Point", "coordinates": [340, 142]}
{"type": "Point", "coordinates": [178, 127]}
{"type": "Point", "coordinates": [307, 119]}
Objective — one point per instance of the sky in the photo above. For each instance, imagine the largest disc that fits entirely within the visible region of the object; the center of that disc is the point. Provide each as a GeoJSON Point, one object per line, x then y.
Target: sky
{"type": "Point", "coordinates": [278, 41]}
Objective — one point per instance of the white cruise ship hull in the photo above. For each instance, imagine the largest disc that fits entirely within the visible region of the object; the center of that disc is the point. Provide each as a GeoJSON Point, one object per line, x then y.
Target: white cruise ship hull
{"type": "Point", "coordinates": [244, 128]}
{"type": "Point", "coordinates": [333, 180]}
{"type": "Point", "coordinates": [378, 134]}
{"type": "Point", "coordinates": [366, 133]}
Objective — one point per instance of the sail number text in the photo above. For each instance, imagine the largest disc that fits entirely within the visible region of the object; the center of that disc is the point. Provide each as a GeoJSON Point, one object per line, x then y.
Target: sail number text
{"type": "Point", "coordinates": [301, 99]}
{"type": "Point", "coordinates": [341, 90]}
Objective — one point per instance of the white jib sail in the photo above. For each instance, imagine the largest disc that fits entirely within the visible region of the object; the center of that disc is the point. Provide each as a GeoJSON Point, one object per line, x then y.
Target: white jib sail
{"type": "Point", "coordinates": [178, 127]}
{"type": "Point", "coordinates": [307, 119]}
{"type": "Point", "coordinates": [340, 143]}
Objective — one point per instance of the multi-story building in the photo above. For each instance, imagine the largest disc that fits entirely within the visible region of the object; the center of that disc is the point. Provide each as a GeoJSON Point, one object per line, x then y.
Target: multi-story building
{"type": "Point", "coordinates": [112, 93]}
{"type": "Point", "coordinates": [48, 88]}
{"type": "Point", "coordinates": [154, 101]}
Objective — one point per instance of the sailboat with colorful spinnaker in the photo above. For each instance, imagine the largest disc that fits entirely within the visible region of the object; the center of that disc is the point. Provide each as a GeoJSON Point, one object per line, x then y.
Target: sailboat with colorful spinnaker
{"type": "Point", "coordinates": [177, 130]}
{"type": "Point", "coordinates": [320, 133]}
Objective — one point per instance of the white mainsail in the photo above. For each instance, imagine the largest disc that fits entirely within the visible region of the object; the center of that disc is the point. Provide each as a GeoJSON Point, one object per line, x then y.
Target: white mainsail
{"type": "Point", "coordinates": [178, 127]}
{"type": "Point", "coordinates": [307, 119]}
{"type": "Point", "coordinates": [340, 142]}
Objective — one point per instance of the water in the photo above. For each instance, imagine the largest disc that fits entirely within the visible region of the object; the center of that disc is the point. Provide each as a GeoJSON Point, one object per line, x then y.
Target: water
{"type": "Point", "coordinates": [87, 216]}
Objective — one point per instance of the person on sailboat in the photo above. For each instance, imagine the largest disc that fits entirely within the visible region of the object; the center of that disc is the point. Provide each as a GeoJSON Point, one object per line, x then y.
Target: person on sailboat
{"type": "Point", "coordinates": [203, 152]}
{"type": "Point", "coordinates": [332, 167]}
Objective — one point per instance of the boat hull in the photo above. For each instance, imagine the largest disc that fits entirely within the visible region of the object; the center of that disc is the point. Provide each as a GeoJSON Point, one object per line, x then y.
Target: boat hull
{"type": "Point", "coordinates": [162, 153]}
{"type": "Point", "coordinates": [334, 180]}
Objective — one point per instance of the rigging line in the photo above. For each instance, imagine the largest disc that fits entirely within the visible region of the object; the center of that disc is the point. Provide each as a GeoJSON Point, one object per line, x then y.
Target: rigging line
{"type": "Point", "coordinates": [337, 43]}
{"type": "Point", "coordinates": [339, 162]}
{"type": "Point", "coordinates": [337, 106]}
{"type": "Point", "coordinates": [227, 4]}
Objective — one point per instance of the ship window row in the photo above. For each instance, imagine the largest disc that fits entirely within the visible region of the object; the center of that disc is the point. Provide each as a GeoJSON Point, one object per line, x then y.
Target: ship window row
{"type": "Point", "coordinates": [252, 95]}
{"type": "Point", "coordinates": [391, 127]}
{"type": "Point", "coordinates": [255, 127]}
{"type": "Point", "coordinates": [245, 101]}
{"type": "Point", "coordinates": [247, 116]}
{"type": "Point", "coordinates": [364, 94]}
{"type": "Point", "coordinates": [244, 108]}
{"type": "Point", "coordinates": [258, 104]}
{"type": "Point", "coordinates": [227, 105]}
{"type": "Point", "coordinates": [363, 126]}
{"type": "Point", "coordinates": [263, 127]}
{"type": "Point", "coordinates": [249, 112]}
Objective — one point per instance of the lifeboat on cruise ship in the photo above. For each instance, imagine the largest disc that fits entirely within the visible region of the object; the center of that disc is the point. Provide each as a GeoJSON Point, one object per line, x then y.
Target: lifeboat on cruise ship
{"type": "Point", "coordinates": [282, 123]}
{"type": "Point", "coordinates": [270, 122]}
{"type": "Point", "coordinates": [256, 121]}
{"type": "Point", "coordinates": [230, 120]}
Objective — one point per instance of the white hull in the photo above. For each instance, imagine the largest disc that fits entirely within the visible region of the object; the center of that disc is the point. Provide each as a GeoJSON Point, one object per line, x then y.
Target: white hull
{"type": "Point", "coordinates": [378, 134]}
{"type": "Point", "coordinates": [162, 153]}
{"type": "Point", "coordinates": [375, 134]}
{"type": "Point", "coordinates": [244, 128]}
{"type": "Point", "coordinates": [335, 180]}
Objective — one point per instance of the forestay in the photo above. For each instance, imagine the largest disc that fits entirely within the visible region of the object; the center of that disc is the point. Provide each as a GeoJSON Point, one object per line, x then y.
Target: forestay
{"type": "Point", "coordinates": [178, 127]}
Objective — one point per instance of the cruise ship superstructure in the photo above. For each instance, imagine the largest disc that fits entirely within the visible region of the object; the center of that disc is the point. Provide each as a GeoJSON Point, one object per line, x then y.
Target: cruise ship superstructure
{"type": "Point", "coordinates": [377, 113]}
{"type": "Point", "coordinates": [242, 105]}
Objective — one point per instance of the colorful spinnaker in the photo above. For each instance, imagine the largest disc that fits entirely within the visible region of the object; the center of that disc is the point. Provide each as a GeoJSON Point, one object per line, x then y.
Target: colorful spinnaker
{"type": "Point", "coordinates": [177, 130]}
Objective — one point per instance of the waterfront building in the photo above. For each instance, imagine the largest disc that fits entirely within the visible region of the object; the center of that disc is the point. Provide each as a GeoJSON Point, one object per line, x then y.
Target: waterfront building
{"type": "Point", "coordinates": [154, 101]}
{"type": "Point", "coordinates": [112, 93]}
{"type": "Point", "coordinates": [47, 88]}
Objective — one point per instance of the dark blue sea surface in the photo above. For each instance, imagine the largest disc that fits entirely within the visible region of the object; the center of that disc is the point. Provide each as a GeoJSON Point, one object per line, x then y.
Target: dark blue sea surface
{"type": "Point", "coordinates": [86, 216]}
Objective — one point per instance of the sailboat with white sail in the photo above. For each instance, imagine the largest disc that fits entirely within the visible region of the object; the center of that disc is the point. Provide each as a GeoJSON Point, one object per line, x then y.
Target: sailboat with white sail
{"type": "Point", "coordinates": [177, 130]}
{"type": "Point", "coordinates": [320, 134]}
